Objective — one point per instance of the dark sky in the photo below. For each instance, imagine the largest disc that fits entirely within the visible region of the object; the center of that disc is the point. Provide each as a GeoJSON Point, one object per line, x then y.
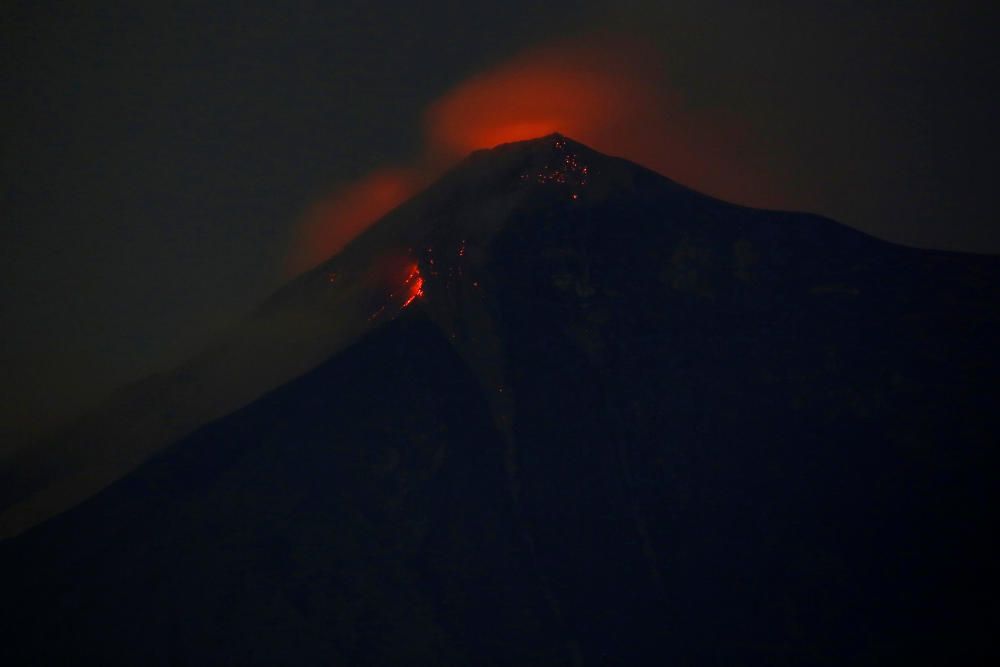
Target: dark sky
{"type": "Point", "coordinates": [156, 157]}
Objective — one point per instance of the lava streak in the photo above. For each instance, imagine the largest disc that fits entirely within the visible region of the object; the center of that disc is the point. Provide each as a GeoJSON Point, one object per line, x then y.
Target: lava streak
{"type": "Point", "coordinates": [400, 295]}
{"type": "Point", "coordinates": [414, 285]}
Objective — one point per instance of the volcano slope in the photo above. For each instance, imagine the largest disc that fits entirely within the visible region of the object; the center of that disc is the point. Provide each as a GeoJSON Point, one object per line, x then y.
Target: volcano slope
{"type": "Point", "coordinates": [592, 417]}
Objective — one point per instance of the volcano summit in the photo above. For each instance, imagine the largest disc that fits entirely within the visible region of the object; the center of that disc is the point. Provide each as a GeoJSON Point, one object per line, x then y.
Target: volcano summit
{"type": "Point", "coordinates": [556, 409]}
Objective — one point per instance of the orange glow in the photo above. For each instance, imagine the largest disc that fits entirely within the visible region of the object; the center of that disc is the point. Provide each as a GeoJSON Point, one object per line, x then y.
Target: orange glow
{"type": "Point", "coordinates": [601, 92]}
{"type": "Point", "coordinates": [333, 222]}
{"type": "Point", "coordinates": [560, 89]}
{"type": "Point", "coordinates": [604, 94]}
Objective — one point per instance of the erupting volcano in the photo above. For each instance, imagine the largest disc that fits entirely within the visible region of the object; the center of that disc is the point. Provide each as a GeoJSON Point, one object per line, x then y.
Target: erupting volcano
{"type": "Point", "coordinates": [600, 91]}
{"type": "Point", "coordinates": [554, 409]}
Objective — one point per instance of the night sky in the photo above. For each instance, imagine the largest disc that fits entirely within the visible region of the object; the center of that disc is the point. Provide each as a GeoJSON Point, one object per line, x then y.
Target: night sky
{"type": "Point", "coordinates": [158, 160]}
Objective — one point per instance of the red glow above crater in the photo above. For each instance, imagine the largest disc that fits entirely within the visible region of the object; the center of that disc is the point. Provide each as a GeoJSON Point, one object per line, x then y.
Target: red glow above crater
{"type": "Point", "coordinates": [569, 88]}
{"type": "Point", "coordinates": [610, 96]}
{"type": "Point", "coordinates": [604, 93]}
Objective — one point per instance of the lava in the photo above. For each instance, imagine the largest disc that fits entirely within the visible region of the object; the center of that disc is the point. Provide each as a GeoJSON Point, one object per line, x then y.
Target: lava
{"type": "Point", "coordinates": [411, 289]}
{"type": "Point", "coordinates": [414, 285]}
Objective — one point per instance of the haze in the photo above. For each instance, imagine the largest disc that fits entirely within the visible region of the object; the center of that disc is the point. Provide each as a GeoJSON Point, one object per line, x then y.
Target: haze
{"type": "Point", "coordinates": [161, 161]}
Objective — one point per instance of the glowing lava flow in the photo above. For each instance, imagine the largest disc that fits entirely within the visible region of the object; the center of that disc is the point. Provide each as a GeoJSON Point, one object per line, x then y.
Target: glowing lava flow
{"type": "Point", "coordinates": [411, 289]}
{"type": "Point", "coordinates": [415, 285]}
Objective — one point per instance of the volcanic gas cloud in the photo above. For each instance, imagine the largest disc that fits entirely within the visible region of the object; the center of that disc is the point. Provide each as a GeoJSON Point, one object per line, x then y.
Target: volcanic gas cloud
{"type": "Point", "coordinates": [604, 94]}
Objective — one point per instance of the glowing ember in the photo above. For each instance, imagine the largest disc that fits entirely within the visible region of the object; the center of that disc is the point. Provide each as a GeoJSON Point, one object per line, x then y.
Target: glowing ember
{"type": "Point", "coordinates": [568, 172]}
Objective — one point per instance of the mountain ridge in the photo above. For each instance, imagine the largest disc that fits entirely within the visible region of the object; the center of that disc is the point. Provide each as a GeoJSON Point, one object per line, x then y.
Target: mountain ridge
{"type": "Point", "coordinates": [637, 425]}
{"type": "Point", "coordinates": [230, 373]}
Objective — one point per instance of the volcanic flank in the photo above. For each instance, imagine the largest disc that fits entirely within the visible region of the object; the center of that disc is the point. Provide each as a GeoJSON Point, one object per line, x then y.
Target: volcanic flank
{"type": "Point", "coordinates": [556, 409]}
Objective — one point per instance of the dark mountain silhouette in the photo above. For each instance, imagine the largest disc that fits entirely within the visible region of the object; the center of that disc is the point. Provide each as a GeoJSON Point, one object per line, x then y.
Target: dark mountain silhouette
{"type": "Point", "coordinates": [585, 416]}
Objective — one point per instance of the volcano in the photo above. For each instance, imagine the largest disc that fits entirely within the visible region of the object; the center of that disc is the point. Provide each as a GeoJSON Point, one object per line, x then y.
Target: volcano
{"type": "Point", "coordinates": [556, 409]}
